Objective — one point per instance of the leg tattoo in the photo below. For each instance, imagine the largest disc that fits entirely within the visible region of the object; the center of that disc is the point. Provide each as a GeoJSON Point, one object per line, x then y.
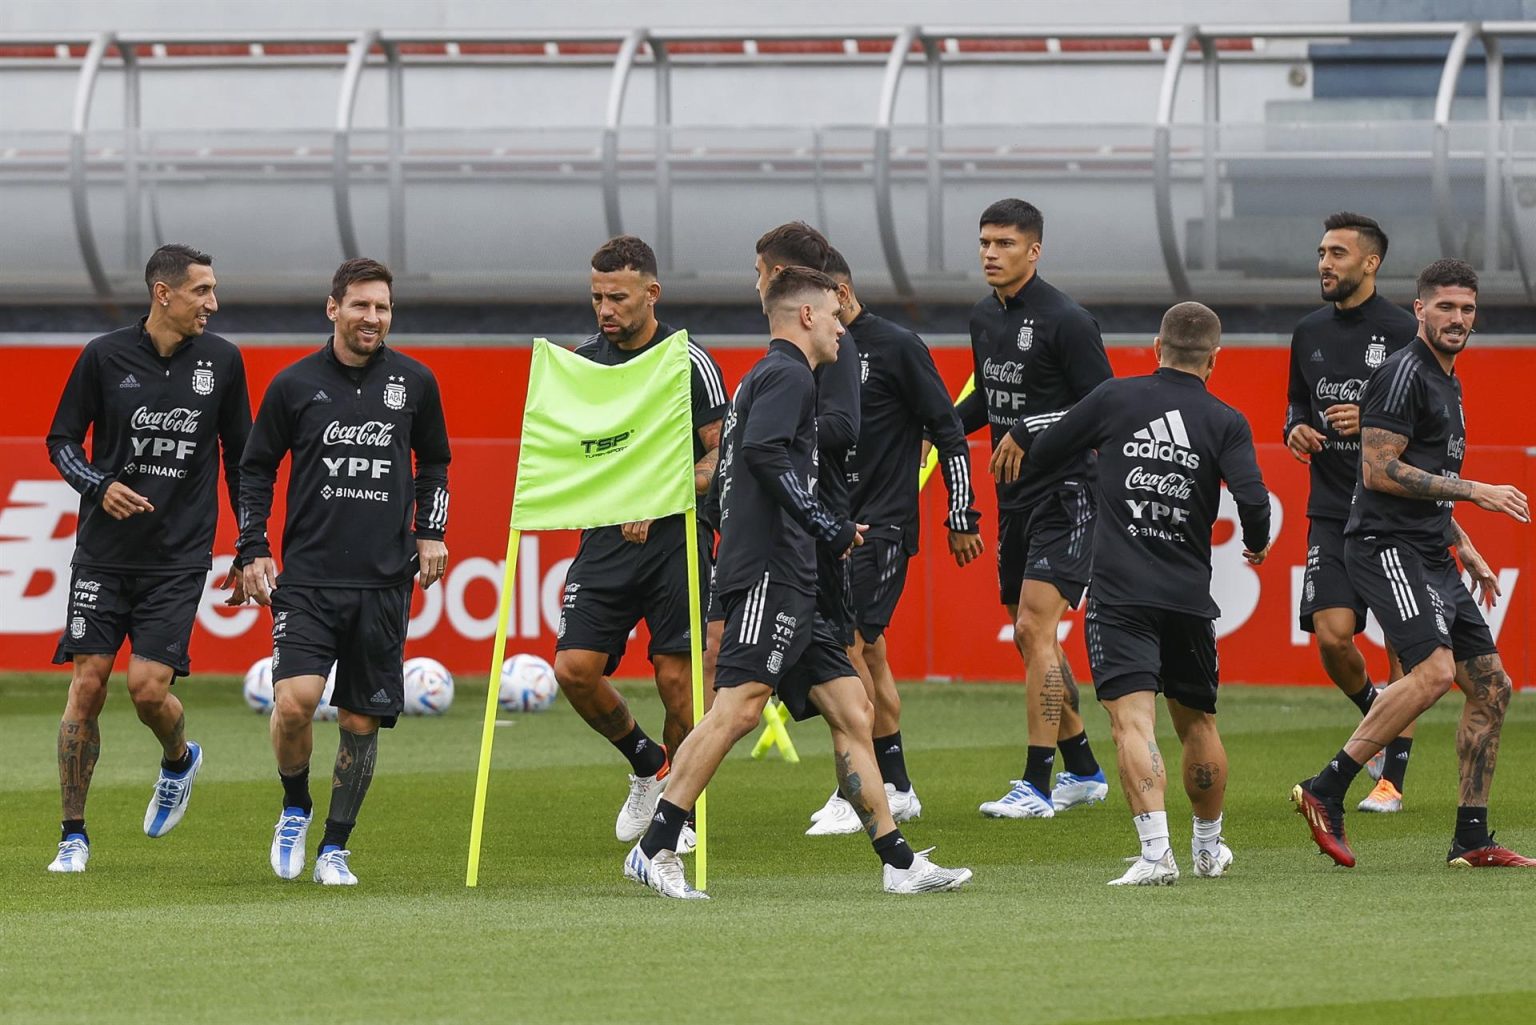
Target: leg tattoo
{"type": "Point", "coordinates": [1205, 774]}
{"type": "Point", "coordinates": [851, 786]}
{"type": "Point", "coordinates": [1069, 685]}
{"type": "Point", "coordinates": [1482, 720]}
{"type": "Point", "coordinates": [613, 723]}
{"type": "Point", "coordinates": [354, 771]}
{"type": "Point", "coordinates": [1052, 694]}
{"type": "Point", "coordinates": [171, 743]}
{"type": "Point", "coordinates": [79, 747]}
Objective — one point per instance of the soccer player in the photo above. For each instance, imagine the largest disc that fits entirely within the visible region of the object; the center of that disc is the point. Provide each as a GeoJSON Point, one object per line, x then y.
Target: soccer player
{"type": "Point", "coordinates": [622, 574]}
{"type": "Point", "coordinates": [1333, 352]}
{"type": "Point", "coordinates": [359, 526]}
{"type": "Point", "coordinates": [1413, 439]}
{"type": "Point", "coordinates": [775, 641]}
{"type": "Point", "coordinates": [901, 395]}
{"type": "Point", "coordinates": [1165, 446]}
{"type": "Point", "coordinates": [161, 399]}
{"type": "Point", "coordinates": [1035, 353]}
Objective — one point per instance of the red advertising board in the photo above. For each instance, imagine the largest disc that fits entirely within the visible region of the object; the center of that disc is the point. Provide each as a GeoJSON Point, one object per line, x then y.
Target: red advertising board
{"type": "Point", "coordinates": [949, 624]}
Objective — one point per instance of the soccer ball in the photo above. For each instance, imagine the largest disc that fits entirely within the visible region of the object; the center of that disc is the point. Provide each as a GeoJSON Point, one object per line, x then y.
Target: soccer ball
{"type": "Point", "coordinates": [258, 686]}
{"type": "Point", "coordinates": [325, 711]}
{"type": "Point", "coordinates": [527, 684]}
{"type": "Point", "coordinates": [428, 687]}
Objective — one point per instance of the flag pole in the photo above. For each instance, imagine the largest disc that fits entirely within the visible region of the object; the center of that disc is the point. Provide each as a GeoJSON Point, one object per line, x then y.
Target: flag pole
{"type": "Point", "coordinates": [932, 462]}
{"type": "Point", "coordinates": [492, 693]}
{"type": "Point", "coordinates": [696, 661]}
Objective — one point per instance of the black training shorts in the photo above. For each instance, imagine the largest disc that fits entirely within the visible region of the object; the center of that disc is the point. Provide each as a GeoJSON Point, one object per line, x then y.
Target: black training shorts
{"type": "Point", "coordinates": [1419, 601]}
{"type": "Point", "coordinates": [1053, 542]}
{"type": "Point", "coordinates": [1326, 583]}
{"type": "Point", "coordinates": [155, 612]}
{"type": "Point", "coordinates": [834, 594]}
{"type": "Point", "coordinates": [877, 573]}
{"type": "Point", "coordinates": [360, 630]}
{"type": "Point", "coordinates": [613, 584]}
{"type": "Point", "coordinates": [774, 635]}
{"type": "Point", "coordinates": [1135, 648]}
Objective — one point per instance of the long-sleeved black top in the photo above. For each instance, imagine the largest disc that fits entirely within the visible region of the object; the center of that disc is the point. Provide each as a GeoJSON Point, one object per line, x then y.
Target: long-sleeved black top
{"type": "Point", "coordinates": [157, 425]}
{"type": "Point", "coordinates": [770, 517]}
{"type": "Point", "coordinates": [1333, 353]}
{"type": "Point", "coordinates": [1165, 445]}
{"type": "Point", "coordinates": [1034, 356]}
{"type": "Point", "coordinates": [901, 397]}
{"type": "Point", "coordinates": [837, 422]}
{"type": "Point", "coordinates": [351, 490]}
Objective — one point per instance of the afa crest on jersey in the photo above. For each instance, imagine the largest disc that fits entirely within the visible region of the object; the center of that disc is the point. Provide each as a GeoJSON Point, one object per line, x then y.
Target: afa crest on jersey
{"type": "Point", "coordinates": [1375, 353]}
{"type": "Point", "coordinates": [202, 377]}
{"type": "Point", "coordinates": [1026, 336]}
{"type": "Point", "coordinates": [394, 392]}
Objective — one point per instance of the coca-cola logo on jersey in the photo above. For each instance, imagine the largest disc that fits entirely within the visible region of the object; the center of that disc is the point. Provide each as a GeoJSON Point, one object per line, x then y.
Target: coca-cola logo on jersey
{"type": "Point", "coordinates": [1340, 391]}
{"type": "Point", "coordinates": [1168, 485]}
{"type": "Point", "coordinates": [1005, 372]}
{"type": "Point", "coordinates": [174, 421]}
{"type": "Point", "coordinates": [373, 432]}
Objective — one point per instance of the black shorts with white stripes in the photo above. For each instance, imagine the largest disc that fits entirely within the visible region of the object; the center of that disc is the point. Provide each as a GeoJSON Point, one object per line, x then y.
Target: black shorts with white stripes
{"type": "Point", "coordinates": [877, 570]}
{"type": "Point", "coordinates": [1419, 600]}
{"type": "Point", "coordinates": [774, 635]}
{"type": "Point", "coordinates": [1051, 542]}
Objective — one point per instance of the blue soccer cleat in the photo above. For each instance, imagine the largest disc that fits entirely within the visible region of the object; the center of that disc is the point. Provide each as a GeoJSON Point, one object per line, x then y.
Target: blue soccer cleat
{"type": "Point", "coordinates": [172, 792]}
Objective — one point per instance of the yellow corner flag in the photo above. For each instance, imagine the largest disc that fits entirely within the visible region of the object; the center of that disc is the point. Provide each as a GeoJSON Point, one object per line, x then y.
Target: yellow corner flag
{"type": "Point", "coordinates": [932, 462]}
{"type": "Point", "coordinates": [600, 445]}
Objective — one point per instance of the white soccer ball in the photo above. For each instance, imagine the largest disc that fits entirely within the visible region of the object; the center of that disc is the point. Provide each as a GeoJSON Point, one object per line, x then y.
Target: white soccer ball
{"type": "Point", "coordinates": [258, 686]}
{"type": "Point", "coordinates": [428, 687]}
{"type": "Point", "coordinates": [325, 711]}
{"type": "Point", "coordinates": [527, 684]}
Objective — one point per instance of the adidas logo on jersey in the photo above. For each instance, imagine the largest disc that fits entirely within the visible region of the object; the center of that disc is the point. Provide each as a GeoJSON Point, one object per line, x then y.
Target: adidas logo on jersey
{"type": "Point", "coordinates": [129, 382]}
{"type": "Point", "coordinates": [321, 396]}
{"type": "Point", "coordinates": [1164, 438]}
{"type": "Point", "coordinates": [1317, 356]}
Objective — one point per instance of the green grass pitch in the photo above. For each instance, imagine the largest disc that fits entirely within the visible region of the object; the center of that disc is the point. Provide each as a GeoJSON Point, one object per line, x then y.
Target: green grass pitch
{"type": "Point", "coordinates": [194, 927]}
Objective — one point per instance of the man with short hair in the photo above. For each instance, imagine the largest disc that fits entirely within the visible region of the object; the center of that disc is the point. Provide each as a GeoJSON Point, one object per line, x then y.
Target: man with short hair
{"type": "Point", "coordinates": [360, 526]}
{"type": "Point", "coordinates": [623, 574]}
{"type": "Point", "coordinates": [1413, 440]}
{"type": "Point", "coordinates": [1035, 353]}
{"type": "Point", "coordinates": [1333, 352]}
{"type": "Point", "coordinates": [161, 399]}
{"type": "Point", "coordinates": [901, 396]}
{"type": "Point", "coordinates": [775, 641]}
{"type": "Point", "coordinates": [1165, 446]}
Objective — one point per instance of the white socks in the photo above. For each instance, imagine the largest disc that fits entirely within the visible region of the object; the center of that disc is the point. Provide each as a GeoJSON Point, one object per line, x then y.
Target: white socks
{"type": "Point", "coordinates": [1153, 830]}
{"type": "Point", "coordinates": [1207, 834]}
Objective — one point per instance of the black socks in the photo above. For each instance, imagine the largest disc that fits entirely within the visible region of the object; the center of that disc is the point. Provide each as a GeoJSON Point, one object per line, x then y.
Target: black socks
{"type": "Point", "coordinates": [666, 826]}
{"type": "Point", "coordinates": [1396, 765]}
{"type": "Point", "coordinates": [892, 850]}
{"type": "Point", "coordinates": [296, 791]}
{"type": "Point", "coordinates": [1077, 755]}
{"type": "Point", "coordinates": [73, 827]}
{"type": "Point", "coordinates": [1472, 828]}
{"type": "Point", "coordinates": [1336, 777]}
{"type": "Point", "coordinates": [892, 761]}
{"type": "Point", "coordinates": [1364, 697]}
{"type": "Point", "coordinates": [646, 757]}
{"type": "Point", "coordinates": [179, 765]}
{"type": "Point", "coordinates": [1037, 767]}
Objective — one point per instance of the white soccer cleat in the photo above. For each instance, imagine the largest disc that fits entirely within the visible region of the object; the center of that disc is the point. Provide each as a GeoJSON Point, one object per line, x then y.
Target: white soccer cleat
{"type": "Point", "coordinates": [905, 805]}
{"type": "Point", "coordinates": [830, 807]}
{"type": "Point", "coordinates": [1072, 790]}
{"type": "Point", "coordinates": [663, 873]}
{"type": "Point", "coordinates": [924, 876]}
{"type": "Point", "coordinates": [331, 869]}
{"type": "Point", "coordinates": [288, 843]}
{"type": "Point", "coordinates": [1022, 801]}
{"type": "Point", "coordinates": [1384, 798]}
{"type": "Point", "coordinates": [687, 840]}
{"type": "Point", "coordinates": [172, 792]}
{"type": "Point", "coordinates": [73, 854]}
{"type": "Point", "coordinates": [1210, 864]}
{"type": "Point", "coordinates": [635, 816]}
{"type": "Point", "coordinates": [842, 820]}
{"type": "Point", "coordinates": [1162, 872]}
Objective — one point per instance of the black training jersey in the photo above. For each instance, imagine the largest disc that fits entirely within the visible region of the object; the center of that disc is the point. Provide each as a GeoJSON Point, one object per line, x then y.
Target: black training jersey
{"type": "Point", "coordinates": [770, 518]}
{"type": "Point", "coordinates": [1333, 353]}
{"type": "Point", "coordinates": [1410, 395]}
{"type": "Point", "coordinates": [1034, 356]}
{"type": "Point", "coordinates": [901, 395]}
{"type": "Point", "coordinates": [837, 422]}
{"type": "Point", "coordinates": [1165, 445]}
{"type": "Point", "coordinates": [157, 424]}
{"type": "Point", "coordinates": [709, 402]}
{"type": "Point", "coordinates": [351, 490]}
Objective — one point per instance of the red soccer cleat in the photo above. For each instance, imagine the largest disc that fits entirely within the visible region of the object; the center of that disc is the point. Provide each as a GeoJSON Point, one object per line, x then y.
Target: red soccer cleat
{"type": "Point", "coordinates": [1325, 818]}
{"type": "Point", "coordinates": [1491, 856]}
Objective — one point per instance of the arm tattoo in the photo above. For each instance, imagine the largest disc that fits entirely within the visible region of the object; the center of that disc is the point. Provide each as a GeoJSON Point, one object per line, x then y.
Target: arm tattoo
{"type": "Point", "coordinates": [1487, 689]}
{"type": "Point", "coordinates": [851, 786]}
{"type": "Point", "coordinates": [79, 747]}
{"type": "Point", "coordinates": [1382, 469]}
{"type": "Point", "coordinates": [704, 470]}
